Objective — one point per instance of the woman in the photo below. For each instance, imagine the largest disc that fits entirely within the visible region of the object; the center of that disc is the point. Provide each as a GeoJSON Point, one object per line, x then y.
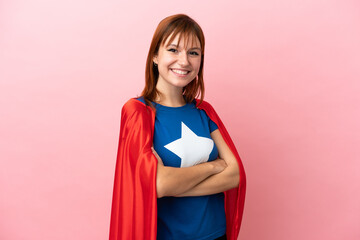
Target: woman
{"type": "Point", "coordinates": [178, 174]}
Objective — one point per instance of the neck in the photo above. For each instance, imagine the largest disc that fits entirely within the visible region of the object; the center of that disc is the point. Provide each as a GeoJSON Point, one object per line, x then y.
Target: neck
{"type": "Point", "coordinates": [170, 96]}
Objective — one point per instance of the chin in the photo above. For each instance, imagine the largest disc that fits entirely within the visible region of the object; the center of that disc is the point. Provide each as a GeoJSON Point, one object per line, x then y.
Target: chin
{"type": "Point", "coordinates": [181, 83]}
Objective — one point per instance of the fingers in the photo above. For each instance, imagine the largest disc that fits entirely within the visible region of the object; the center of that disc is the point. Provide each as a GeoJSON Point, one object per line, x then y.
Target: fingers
{"type": "Point", "coordinates": [219, 164]}
{"type": "Point", "coordinates": [157, 156]}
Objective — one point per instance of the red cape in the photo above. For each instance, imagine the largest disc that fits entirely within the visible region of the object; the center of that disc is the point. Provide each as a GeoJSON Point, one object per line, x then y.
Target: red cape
{"type": "Point", "coordinates": [134, 206]}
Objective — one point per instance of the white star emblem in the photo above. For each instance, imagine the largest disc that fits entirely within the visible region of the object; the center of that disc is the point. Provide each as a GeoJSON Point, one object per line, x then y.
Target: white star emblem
{"type": "Point", "coordinates": [191, 148]}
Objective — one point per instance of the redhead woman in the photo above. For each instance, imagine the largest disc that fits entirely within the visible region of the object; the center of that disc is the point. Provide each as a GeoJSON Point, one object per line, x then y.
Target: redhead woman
{"type": "Point", "coordinates": [178, 175]}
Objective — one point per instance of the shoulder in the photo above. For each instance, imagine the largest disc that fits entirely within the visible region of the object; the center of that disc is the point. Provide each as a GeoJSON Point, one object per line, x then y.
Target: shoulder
{"type": "Point", "coordinates": [134, 105]}
{"type": "Point", "coordinates": [209, 109]}
{"type": "Point", "coordinates": [204, 105]}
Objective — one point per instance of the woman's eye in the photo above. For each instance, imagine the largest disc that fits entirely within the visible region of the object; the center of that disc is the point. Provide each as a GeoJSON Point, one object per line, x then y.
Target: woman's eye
{"type": "Point", "coordinates": [194, 53]}
{"type": "Point", "coordinates": [172, 50]}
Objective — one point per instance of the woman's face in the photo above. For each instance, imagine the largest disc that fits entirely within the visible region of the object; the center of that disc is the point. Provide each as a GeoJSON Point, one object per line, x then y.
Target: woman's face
{"type": "Point", "coordinates": [178, 66]}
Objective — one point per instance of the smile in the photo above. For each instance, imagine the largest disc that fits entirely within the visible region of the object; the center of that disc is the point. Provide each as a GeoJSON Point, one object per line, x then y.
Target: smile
{"type": "Point", "coordinates": [180, 72]}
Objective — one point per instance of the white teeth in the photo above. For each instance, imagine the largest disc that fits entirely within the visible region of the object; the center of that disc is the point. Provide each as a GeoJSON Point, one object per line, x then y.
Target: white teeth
{"type": "Point", "coordinates": [180, 72]}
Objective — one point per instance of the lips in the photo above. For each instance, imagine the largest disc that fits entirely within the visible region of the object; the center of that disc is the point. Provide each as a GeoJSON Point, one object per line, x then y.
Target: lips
{"type": "Point", "coordinates": [180, 72]}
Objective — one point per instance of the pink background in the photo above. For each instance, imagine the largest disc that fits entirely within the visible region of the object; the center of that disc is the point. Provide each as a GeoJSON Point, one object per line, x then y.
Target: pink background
{"type": "Point", "coordinates": [283, 75]}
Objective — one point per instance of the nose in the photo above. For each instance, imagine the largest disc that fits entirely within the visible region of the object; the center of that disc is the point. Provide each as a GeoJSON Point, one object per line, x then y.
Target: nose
{"type": "Point", "coordinates": [183, 59]}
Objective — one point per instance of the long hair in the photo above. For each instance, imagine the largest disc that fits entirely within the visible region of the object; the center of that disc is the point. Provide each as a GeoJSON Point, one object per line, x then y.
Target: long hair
{"type": "Point", "coordinates": [186, 27]}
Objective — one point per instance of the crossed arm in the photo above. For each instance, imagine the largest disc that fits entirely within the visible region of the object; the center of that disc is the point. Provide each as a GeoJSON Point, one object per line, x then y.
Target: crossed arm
{"type": "Point", "coordinates": [203, 179]}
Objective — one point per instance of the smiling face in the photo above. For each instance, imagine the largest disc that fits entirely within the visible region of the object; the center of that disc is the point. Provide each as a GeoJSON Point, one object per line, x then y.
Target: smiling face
{"type": "Point", "coordinates": [178, 64]}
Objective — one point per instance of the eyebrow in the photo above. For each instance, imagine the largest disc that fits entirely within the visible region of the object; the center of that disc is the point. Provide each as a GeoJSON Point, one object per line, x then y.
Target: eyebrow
{"type": "Point", "coordinates": [174, 45]}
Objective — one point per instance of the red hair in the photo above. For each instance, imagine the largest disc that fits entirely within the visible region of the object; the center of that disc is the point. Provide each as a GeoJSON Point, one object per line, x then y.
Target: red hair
{"type": "Point", "coordinates": [186, 27]}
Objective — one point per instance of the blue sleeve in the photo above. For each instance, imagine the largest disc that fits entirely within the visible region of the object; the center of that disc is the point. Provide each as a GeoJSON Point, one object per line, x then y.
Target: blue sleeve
{"type": "Point", "coordinates": [212, 124]}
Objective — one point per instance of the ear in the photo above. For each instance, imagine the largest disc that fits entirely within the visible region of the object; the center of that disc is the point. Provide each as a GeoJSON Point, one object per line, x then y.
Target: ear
{"type": "Point", "coordinates": [155, 59]}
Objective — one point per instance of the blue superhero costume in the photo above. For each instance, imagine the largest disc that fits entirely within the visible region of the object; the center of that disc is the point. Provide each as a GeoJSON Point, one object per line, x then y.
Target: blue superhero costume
{"type": "Point", "coordinates": [134, 212]}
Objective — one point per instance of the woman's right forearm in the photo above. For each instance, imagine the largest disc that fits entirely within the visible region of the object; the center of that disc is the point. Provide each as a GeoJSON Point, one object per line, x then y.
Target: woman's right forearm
{"type": "Point", "coordinates": [172, 181]}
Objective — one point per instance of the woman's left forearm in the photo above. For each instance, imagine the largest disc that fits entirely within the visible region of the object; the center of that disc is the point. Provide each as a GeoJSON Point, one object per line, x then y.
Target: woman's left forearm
{"type": "Point", "coordinates": [220, 182]}
{"type": "Point", "coordinates": [223, 181]}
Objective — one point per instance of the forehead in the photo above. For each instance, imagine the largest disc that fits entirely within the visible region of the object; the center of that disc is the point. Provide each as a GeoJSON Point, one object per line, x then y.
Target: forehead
{"type": "Point", "coordinates": [189, 40]}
